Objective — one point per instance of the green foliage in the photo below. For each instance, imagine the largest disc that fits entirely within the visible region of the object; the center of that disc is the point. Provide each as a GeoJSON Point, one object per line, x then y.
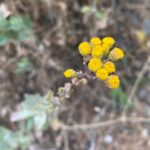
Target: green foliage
{"type": "Point", "coordinates": [10, 140]}
{"type": "Point", "coordinates": [14, 28]}
{"type": "Point", "coordinates": [100, 15]}
{"type": "Point", "coordinates": [144, 81]}
{"type": "Point", "coordinates": [23, 65]}
{"type": "Point", "coordinates": [119, 97]}
{"type": "Point", "coordinates": [34, 109]}
{"type": "Point", "coordinates": [86, 9]}
{"type": "Point", "coordinates": [33, 113]}
{"type": "Point", "coordinates": [93, 10]}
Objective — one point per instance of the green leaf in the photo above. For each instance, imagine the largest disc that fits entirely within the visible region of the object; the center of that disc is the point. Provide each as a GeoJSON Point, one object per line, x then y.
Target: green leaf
{"type": "Point", "coordinates": [144, 81]}
{"type": "Point", "coordinates": [32, 106]}
{"type": "Point", "coordinates": [31, 101]}
{"type": "Point", "coordinates": [16, 23]}
{"type": "Point", "coordinates": [10, 140]}
{"type": "Point", "coordinates": [15, 27]}
{"type": "Point", "coordinates": [23, 65]}
{"type": "Point", "coordinates": [118, 95]}
{"type": "Point", "coordinates": [40, 120]}
{"type": "Point", "coordinates": [50, 95]}
{"type": "Point", "coordinates": [85, 9]}
{"type": "Point", "coordinates": [100, 15]}
{"type": "Point", "coordinates": [4, 39]}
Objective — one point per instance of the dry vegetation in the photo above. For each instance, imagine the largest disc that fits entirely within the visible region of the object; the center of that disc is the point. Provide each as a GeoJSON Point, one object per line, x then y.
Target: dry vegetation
{"type": "Point", "coordinates": [89, 119]}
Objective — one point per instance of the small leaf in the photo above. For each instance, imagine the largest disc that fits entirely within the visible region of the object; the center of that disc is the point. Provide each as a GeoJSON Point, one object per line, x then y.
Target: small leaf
{"type": "Point", "coordinates": [85, 9]}
{"type": "Point", "coordinates": [100, 15]}
{"type": "Point", "coordinates": [16, 23]}
{"type": "Point", "coordinates": [120, 96]}
{"type": "Point", "coordinates": [32, 106]}
{"type": "Point", "coordinates": [4, 39]}
{"type": "Point", "coordinates": [10, 140]}
{"type": "Point", "coordinates": [50, 95]}
{"type": "Point", "coordinates": [23, 65]}
{"type": "Point", "coordinates": [40, 120]}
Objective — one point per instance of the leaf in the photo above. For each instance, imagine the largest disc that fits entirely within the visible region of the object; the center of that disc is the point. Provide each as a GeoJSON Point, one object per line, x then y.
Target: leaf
{"type": "Point", "coordinates": [100, 15]}
{"type": "Point", "coordinates": [4, 39]}
{"type": "Point", "coordinates": [30, 103]}
{"type": "Point", "coordinates": [16, 23]}
{"type": "Point", "coordinates": [7, 138]}
{"type": "Point", "coordinates": [40, 120]}
{"type": "Point", "coordinates": [85, 9]}
{"type": "Point", "coordinates": [15, 27]}
{"type": "Point", "coordinates": [50, 95]}
{"type": "Point", "coordinates": [144, 81]}
{"type": "Point", "coordinates": [27, 108]}
{"type": "Point", "coordinates": [120, 96]}
{"type": "Point", "coordinates": [32, 106]}
{"type": "Point", "coordinates": [10, 140]}
{"type": "Point", "coordinates": [4, 25]}
{"type": "Point", "coordinates": [23, 65]}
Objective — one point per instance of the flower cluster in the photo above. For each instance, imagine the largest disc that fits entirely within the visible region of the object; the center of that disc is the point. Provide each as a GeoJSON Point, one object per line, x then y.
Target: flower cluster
{"type": "Point", "coordinates": [99, 58]}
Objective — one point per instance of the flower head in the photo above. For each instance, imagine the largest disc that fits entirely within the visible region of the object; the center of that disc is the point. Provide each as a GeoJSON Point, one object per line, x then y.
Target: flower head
{"type": "Point", "coordinates": [84, 48]}
{"type": "Point", "coordinates": [105, 48]}
{"type": "Point", "coordinates": [98, 59]}
{"type": "Point", "coordinates": [110, 67]}
{"type": "Point", "coordinates": [94, 64]}
{"type": "Point", "coordinates": [116, 54]}
{"type": "Point", "coordinates": [109, 41]}
{"type": "Point", "coordinates": [69, 73]}
{"type": "Point", "coordinates": [95, 41]}
{"type": "Point", "coordinates": [113, 81]}
{"type": "Point", "coordinates": [97, 51]}
{"type": "Point", "coordinates": [102, 74]}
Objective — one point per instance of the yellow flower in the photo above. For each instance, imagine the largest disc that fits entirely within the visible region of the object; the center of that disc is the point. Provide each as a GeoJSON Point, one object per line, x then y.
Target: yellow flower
{"type": "Point", "coordinates": [97, 51]}
{"type": "Point", "coordinates": [109, 41]}
{"type": "Point", "coordinates": [110, 67]}
{"type": "Point", "coordinates": [94, 64]}
{"type": "Point", "coordinates": [95, 41]}
{"type": "Point", "coordinates": [102, 74]}
{"type": "Point", "coordinates": [69, 73]}
{"type": "Point", "coordinates": [116, 54]}
{"type": "Point", "coordinates": [84, 48]}
{"type": "Point", "coordinates": [113, 81]}
{"type": "Point", "coordinates": [105, 48]}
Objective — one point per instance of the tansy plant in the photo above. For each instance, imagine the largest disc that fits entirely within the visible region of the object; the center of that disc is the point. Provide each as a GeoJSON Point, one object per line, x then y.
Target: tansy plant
{"type": "Point", "coordinates": [99, 57]}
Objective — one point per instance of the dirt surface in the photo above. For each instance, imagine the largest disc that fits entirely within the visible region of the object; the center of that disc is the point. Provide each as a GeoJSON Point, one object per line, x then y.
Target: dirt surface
{"type": "Point", "coordinates": [58, 27]}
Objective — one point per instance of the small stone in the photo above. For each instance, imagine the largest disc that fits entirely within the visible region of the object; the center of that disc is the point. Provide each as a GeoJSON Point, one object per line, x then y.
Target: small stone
{"type": "Point", "coordinates": [97, 109]}
{"type": "Point", "coordinates": [144, 133]}
{"type": "Point", "coordinates": [108, 139]}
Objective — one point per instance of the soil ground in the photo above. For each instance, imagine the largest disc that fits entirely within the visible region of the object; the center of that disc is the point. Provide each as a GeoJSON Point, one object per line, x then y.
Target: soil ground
{"type": "Point", "coordinates": [58, 27]}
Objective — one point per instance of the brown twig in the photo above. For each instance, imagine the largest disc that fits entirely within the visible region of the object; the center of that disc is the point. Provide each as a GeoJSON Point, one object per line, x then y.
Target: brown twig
{"type": "Point", "coordinates": [106, 123]}
{"type": "Point", "coordinates": [66, 142]}
{"type": "Point", "coordinates": [123, 118]}
{"type": "Point", "coordinates": [135, 86]}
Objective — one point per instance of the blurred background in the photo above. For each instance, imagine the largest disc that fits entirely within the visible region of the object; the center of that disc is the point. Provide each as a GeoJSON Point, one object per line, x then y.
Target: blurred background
{"type": "Point", "coordinates": [38, 40]}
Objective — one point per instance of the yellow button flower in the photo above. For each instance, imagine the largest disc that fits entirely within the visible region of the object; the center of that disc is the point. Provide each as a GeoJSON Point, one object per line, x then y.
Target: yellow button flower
{"type": "Point", "coordinates": [110, 67]}
{"type": "Point", "coordinates": [113, 81]}
{"type": "Point", "coordinates": [84, 48]}
{"type": "Point", "coordinates": [95, 41]}
{"type": "Point", "coordinates": [94, 64]}
{"type": "Point", "coordinates": [97, 51]}
{"type": "Point", "coordinates": [102, 74]}
{"type": "Point", "coordinates": [105, 48]}
{"type": "Point", "coordinates": [69, 73]}
{"type": "Point", "coordinates": [116, 54]}
{"type": "Point", "coordinates": [109, 41]}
